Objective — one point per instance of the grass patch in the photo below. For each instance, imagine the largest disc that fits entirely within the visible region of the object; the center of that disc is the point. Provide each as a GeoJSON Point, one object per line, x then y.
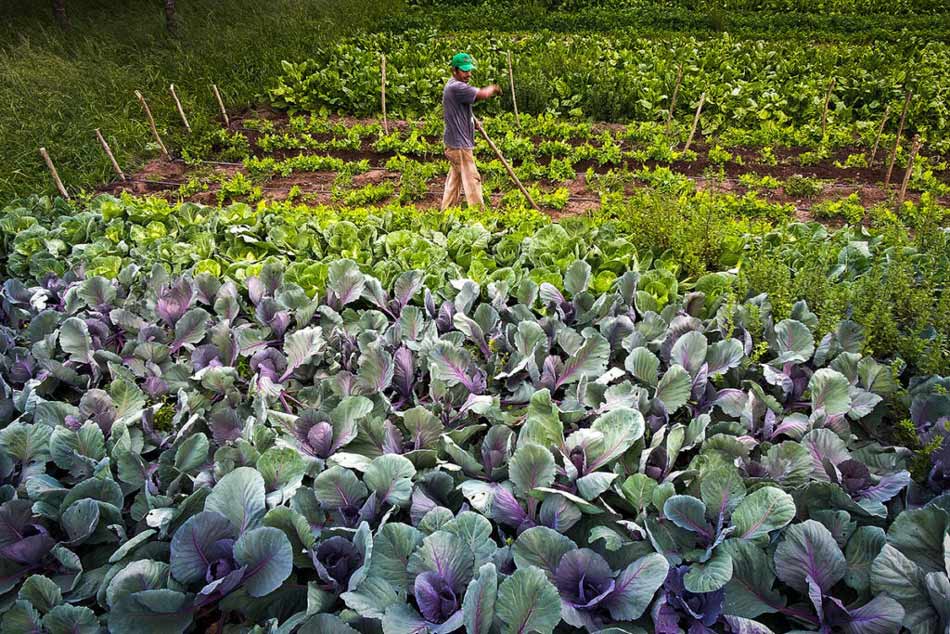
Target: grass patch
{"type": "Point", "coordinates": [57, 87]}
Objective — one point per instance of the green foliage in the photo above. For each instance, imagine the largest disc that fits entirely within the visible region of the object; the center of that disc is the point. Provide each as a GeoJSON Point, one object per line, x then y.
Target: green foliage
{"type": "Point", "coordinates": [718, 156]}
{"type": "Point", "coordinates": [850, 209]}
{"type": "Point", "coordinates": [370, 193]}
{"type": "Point", "coordinates": [237, 187]}
{"type": "Point", "coordinates": [58, 86]}
{"type": "Point", "coordinates": [802, 186]}
{"type": "Point", "coordinates": [764, 181]}
{"type": "Point", "coordinates": [589, 73]}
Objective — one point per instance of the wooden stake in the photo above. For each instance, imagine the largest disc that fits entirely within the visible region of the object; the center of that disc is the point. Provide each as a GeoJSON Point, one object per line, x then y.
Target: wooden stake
{"type": "Point", "coordinates": [676, 89]}
{"type": "Point", "coordinates": [383, 95]}
{"type": "Point", "coordinates": [171, 19]}
{"type": "Point", "coordinates": [224, 113]}
{"type": "Point", "coordinates": [910, 169]}
{"type": "Point", "coordinates": [108, 150]}
{"type": "Point", "coordinates": [880, 130]}
{"type": "Point", "coordinates": [59, 12]}
{"type": "Point", "coordinates": [514, 100]}
{"type": "Point", "coordinates": [151, 122]}
{"type": "Point", "coordinates": [897, 141]}
{"type": "Point", "coordinates": [511, 172]}
{"type": "Point", "coordinates": [692, 133]}
{"type": "Point", "coordinates": [824, 110]}
{"type": "Point", "coordinates": [52, 170]}
{"type": "Point", "coordinates": [181, 110]}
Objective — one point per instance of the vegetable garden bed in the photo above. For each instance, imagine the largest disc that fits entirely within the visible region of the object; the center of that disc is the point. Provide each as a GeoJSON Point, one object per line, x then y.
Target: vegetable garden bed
{"type": "Point", "coordinates": [328, 434]}
{"type": "Point", "coordinates": [267, 388]}
{"type": "Point", "coordinates": [569, 165]}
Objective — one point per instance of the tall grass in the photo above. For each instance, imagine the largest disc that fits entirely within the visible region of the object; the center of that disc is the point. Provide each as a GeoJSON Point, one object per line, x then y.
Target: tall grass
{"type": "Point", "coordinates": [56, 88]}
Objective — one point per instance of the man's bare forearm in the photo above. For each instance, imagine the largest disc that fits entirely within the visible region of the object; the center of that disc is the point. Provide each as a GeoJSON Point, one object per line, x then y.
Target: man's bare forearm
{"type": "Point", "coordinates": [487, 92]}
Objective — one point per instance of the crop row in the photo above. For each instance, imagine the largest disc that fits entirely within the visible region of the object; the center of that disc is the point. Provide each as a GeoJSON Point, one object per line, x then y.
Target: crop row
{"type": "Point", "coordinates": [552, 156]}
{"type": "Point", "coordinates": [843, 7]}
{"type": "Point", "coordinates": [891, 281]}
{"type": "Point", "coordinates": [621, 77]}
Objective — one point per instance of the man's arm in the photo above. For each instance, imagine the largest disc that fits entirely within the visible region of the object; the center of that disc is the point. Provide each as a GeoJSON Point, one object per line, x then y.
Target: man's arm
{"type": "Point", "coordinates": [487, 92]}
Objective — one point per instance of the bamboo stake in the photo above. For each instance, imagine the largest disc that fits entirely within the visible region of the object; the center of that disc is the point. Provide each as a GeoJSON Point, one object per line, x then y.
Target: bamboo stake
{"type": "Point", "coordinates": [514, 100]}
{"type": "Point", "coordinates": [181, 110]}
{"type": "Point", "coordinates": [692, 133]}
{"type": "Point", "coordinates": [383, 95]}
{"type": "Point", "coordinates": [224, 112]}
{"type": "Point", "coordinates": [824, 110]}
{"type": "Point", "coordinates": [676, 89]}
{"type": "Point", "coordinates": [877, 139]}
{"type": "Point", "coordinates": [108, 151]}
{"type": "Point", "coordinates": [511, 172]}
{"type": "Point", "coordinates": [151, 123]}
{"type": "Point", "coordinates": [910, 169]}
{"type": "Point", "coordinates": [52, 170]}
{"type": "Point", "coordinates": [897, 141]}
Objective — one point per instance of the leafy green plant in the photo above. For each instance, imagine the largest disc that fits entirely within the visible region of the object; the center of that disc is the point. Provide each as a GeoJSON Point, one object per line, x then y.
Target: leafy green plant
{"type": "Point", "coordinates": [718, 156]}
{"type": "Point", "coordinates": [798, 186]}
{"type": "Point", "coordinates": [236, 187]}
{"type": "Point", "coordinates": [370, 193]}
{"type": "Point", "coordinates": [850, 209]}
{"type": "Point", "coordinates": [764, 181]}
{"type": "Point", "coordinates": [854, 160]}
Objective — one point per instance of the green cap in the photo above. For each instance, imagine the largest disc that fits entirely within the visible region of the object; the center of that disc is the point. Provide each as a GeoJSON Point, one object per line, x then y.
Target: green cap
{"type": "Point", "coordinates": [463, 61]}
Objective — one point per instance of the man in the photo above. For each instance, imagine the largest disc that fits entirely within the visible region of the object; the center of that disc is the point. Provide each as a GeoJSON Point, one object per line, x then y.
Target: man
{"type": "Point", "coordinates": [457, 99]}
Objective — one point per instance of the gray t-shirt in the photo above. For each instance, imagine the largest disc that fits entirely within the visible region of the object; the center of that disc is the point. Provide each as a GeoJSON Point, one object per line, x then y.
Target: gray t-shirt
{"type": "Point", "coordinates": [457, 100]}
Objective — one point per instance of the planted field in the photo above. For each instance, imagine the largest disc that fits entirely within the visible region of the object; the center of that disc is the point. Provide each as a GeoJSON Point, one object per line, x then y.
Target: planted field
{"type": "Point", "coordinates": [264, 385]}
{"type": "Point", "coordinates": [569, 167]}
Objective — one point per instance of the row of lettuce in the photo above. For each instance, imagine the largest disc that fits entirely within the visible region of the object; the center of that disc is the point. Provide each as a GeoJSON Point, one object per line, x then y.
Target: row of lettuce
{"type": "Point", "coordinates": [623, 76]}
{"type": "Point", "coordinates": [366, 428]}
{"type": "Point", "coordinates": [553, 148]}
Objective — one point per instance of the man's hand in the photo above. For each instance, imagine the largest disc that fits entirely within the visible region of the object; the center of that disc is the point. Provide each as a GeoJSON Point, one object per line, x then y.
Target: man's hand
{"type": "Point", "coordinates": [487, 92]}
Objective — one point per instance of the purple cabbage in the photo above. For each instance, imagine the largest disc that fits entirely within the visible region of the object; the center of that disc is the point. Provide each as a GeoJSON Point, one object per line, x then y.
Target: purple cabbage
{"type": "Point", "coordinates": [437, 597]}
{"type": "Point", "coordinates": [677, 606]}
{"type": "Point", "coordinates": [174, 300]}
{"type": "Point", "coordinates": [336, 559]}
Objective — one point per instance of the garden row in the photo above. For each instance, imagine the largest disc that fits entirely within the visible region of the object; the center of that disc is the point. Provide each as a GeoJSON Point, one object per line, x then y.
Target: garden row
{"type": "Point", "coordinates": [621, 76]}
{"type": "Point", "coordinates": [856, 273]}
{"type": "Point", "coordinates": [832, 21]}
{"type": "Point", "coordinates": [568, 166]}
{"type": "Point", "coordinates": [389, 420]}
{"type": "Point", "coordinates": [845, 7]}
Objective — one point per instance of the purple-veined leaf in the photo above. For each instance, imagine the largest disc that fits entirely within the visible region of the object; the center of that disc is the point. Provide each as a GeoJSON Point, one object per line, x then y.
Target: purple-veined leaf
{"type": "Point", "coordinates": [689, 351]}
{"type": "Point", "coordinates": [528, 602]}
{"type": "Point", "coordinates": [794, 342]}
{"type": "Point", "coordinates": [300, 347]}
{"type": "Point", "coordinates": [345, 281]}
{"type": "Point", "coordinates": [453, 365]}
{"type": "Point", "coordinates": [723, 355]}
{"type": "Point", "coordinates": [590, 360]}
{"type": "Point", "coordinates": [201, 540]}
{"type": "Point", "coordinates": [635, 586]}
{"type": "Point", "coordinates": [479, 604]}
{"type": "Point", "coordinates": [762, 511]}
{"type": "Point", "coordinates": [239, 496]}
{"type": "Point", "coordinates": [880, 615]}
{"type": "Point", "coordinates": [530, 467]}
{"type": "Point", "coordinates": [267, 554]}
{"type": "Point", "coordinates": [808, 550]}
{"type": "Point", "coordinates": [376, 368]}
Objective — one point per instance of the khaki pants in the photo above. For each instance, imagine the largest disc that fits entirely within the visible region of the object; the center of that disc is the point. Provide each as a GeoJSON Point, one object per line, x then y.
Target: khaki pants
{"type": "Point", "coordinates": [463, 175]}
